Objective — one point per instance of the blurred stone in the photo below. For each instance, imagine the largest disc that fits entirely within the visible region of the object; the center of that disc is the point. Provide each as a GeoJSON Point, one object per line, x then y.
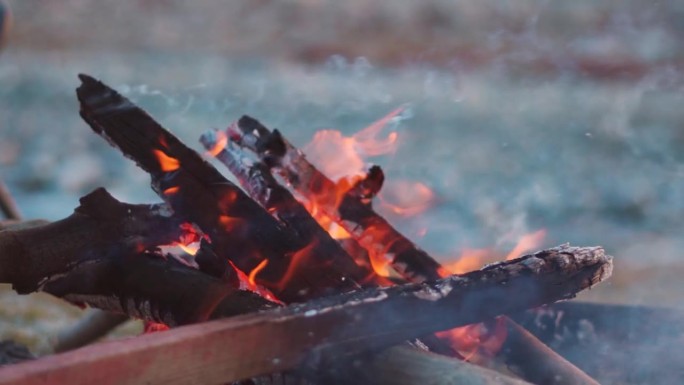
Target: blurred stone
{"type": "Point", "coordinates": [12, 352]}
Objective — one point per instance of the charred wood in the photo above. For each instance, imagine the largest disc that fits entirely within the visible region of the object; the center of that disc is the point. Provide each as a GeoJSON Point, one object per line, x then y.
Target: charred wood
{"type": "Point", "coordinates": [352, 213]}
{"type": "Point", "coordinates": [240, 230]}
{"type": "Point", "coordinates": [104, 255]}
{"type": "Point", "coordinates": [256, 178]}
{"type": "Point", "coordinates": [355, 213]}
{"type": "Point", "coordinates": [321, 330]}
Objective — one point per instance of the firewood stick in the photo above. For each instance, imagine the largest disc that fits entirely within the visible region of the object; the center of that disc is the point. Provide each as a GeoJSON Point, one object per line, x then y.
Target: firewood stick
{"type": "Point", "coordinates": [324, 329]}
{"type": "Point", "coordinates": [240, 229]}
{"type": "Point", "coordinates": [537, 362]}
{"type": "Point", "coordinates": [351, 213]}
{"type": "Point", "coordinates": [357, 217]}
{"type": "Point", "coordinates": [7, 204]}
{"type": "Point", "coordinates": [405, 366]}
{"type": "Point", "coordinates": [256, 178]}
{"type": "Point", "coordinates": [88, 329]}
{"type": "Point", "coordinates": [96, 256]}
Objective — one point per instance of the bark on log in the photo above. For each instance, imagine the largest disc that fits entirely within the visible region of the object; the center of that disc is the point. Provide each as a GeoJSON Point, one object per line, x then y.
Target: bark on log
{"type": "Point", "coordinates": [101, 255]}
{"type": "Point", "coordinates": [323, 330]}
{"type": "Point", "coordinates": [239, 228]}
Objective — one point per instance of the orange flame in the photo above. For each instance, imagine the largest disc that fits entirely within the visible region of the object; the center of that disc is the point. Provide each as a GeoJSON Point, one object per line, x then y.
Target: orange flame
{"type": "Point", "coordinates": [350, 151]}
{"type": "Point", "coordinates": [407, 198]}
{"type": "Point", "coordinates": [252, 274]}
{"type": "Point", "coordinates": [526, 243]}
{"type": "Point", "coordinates": [469, 260]}
{"type": "Point", "coordinates": [221, 143]}
{"type": "Point", "coordinates": [298, 259]}
{"type": "Point", "coordinates": [251, 285]}
{"type": "Point", "coordinates": [166, 162]}
{"type": "Point", "coordinates": [380, 260]}
{"type": "Point", "coordinates": [229, 223]}
{"type": "Point", "coordinates": [477, 341]}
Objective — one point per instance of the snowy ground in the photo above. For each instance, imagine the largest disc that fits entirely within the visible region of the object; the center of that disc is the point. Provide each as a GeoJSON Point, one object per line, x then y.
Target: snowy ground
{"type": "Point", "coordinates": [594, 162]}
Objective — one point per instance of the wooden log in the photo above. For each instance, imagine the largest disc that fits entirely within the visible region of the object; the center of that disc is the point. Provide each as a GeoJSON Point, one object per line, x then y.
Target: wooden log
{"type": "Point", "coordinates": [537, 362]}
{"type": "Point", "coordinates": [355, 214]}
{"type": "Point", "coordinates": [256, 178]}
{"type": "Point", "coordinates": [616, 344]}
{"type": "Point", "coordinates": [239, 229]}
{"type": "Point", "coordinates": [102, 255]}
{"type": "Point", "coordinates": [401, 365]}
{"type": "Point", "coordinates": [352, 213]}
{"type": "Point", "coordinates": [320, 330]}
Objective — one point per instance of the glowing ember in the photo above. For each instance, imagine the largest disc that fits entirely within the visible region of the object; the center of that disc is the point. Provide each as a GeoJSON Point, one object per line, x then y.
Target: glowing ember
{"type": "Point", "coordinates": [171, 190]}
{"type": "Point", "coordinates": [350, 152]}
{"type": "Point", "coordinates": [166, 162]}
{"type": "Point", "coordinates": [229, 223]}
{"type": "Point", "coordinates": [154, 327]}
{"type": "Point", "coordinates": [221, 143]}
{"type": "Point", "coordinates": [478, 341]}
{"type": "Point", "coordinates": [190, 249]}
{"type": "Point", "coordinates": [527, 243]}
{"type": "Point", "coordinates": [252, 274]}
{"type": "Point", "coordinates": [406, 198]}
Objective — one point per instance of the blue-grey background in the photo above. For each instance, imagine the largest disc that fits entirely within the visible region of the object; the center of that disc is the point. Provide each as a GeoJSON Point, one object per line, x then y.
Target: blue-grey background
{"type": "Point", "coordinates": [524, 115]}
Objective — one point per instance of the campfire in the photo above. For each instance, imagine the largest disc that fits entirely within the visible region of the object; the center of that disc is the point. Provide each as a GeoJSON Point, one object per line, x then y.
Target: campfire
{"type": "Point", "coordinates": [290, 277]}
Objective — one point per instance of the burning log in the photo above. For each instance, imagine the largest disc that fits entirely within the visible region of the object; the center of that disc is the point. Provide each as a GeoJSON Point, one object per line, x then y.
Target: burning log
{"type": "Point", "coordinates": [102, 255]}
{"type": "Point", "coordinates": [256, 178]}
{"type": "Point", "coordinates": [323, 330]}
{"type": "Point", "coordinates": [352, 210]}
{"type": "Point", "coordinates": [353, 214]}
{"type": "Point", "coordinates": [240, 230]}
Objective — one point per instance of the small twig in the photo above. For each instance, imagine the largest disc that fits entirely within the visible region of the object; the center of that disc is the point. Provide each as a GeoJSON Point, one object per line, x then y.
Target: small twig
{"type": "Point", "coordinates": [88, 329]}
{"type": "Point", "coordinates": [7, 204]}
{"type": "Point", "coordinates": [537, 362]}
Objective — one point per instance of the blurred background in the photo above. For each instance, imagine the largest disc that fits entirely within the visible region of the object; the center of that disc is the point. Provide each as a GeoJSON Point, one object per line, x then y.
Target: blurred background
{"type": "Point", "coordinates": [556, 121]}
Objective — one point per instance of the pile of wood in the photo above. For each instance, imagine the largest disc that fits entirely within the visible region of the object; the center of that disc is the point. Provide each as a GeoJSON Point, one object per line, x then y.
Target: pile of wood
{"type": "Point", "coordinates": [316, 312]}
